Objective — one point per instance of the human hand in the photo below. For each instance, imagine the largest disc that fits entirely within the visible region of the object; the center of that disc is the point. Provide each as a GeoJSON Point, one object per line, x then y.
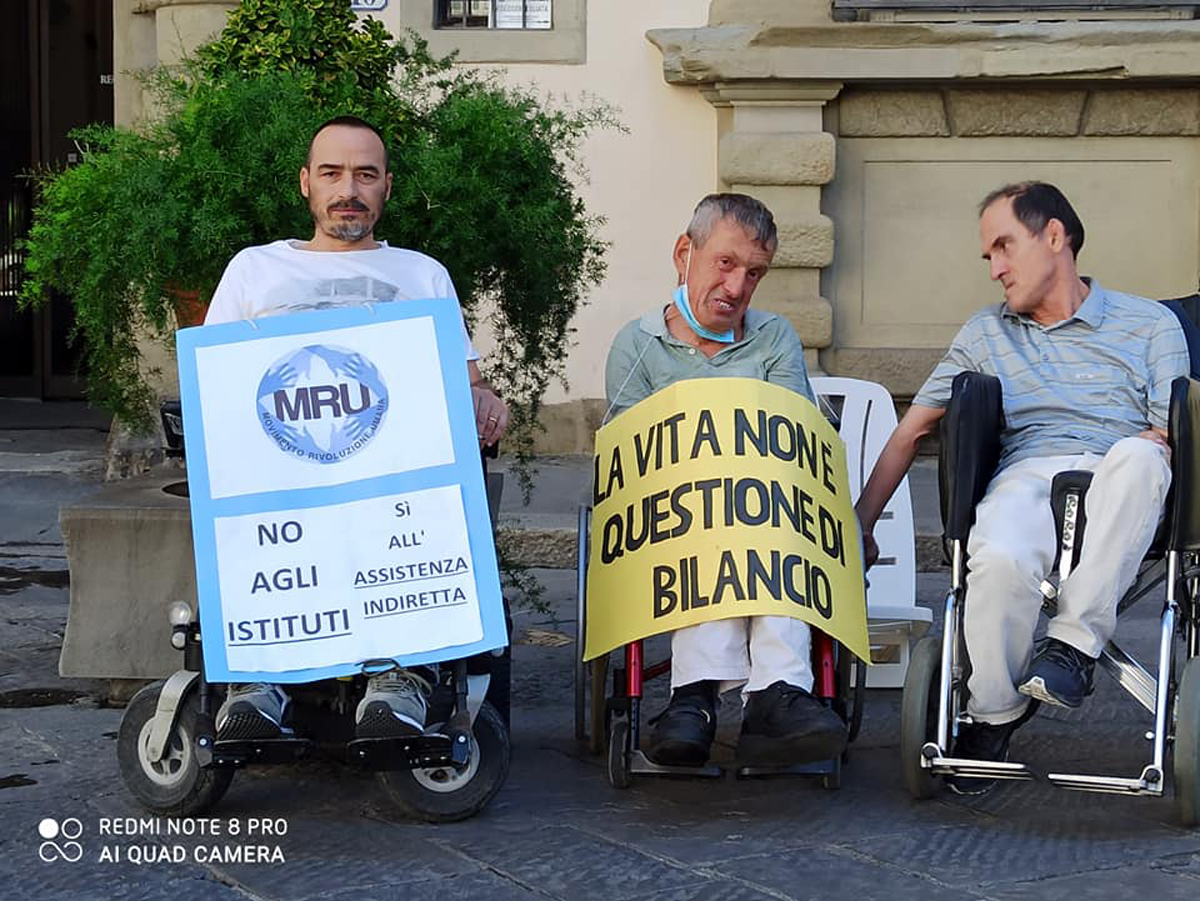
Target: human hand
{"type": "Point", "coordinates": [491, 415]}
{"type": "Point", "coordinates": [1158, 438]}
{"type": "Point", "coordinates": [870, 550]}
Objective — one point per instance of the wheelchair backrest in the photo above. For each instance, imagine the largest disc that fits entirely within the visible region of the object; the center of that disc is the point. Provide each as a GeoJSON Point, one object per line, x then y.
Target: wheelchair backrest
{"type": "Point", "coordinates": [1184, 518]}
{"type": "Point", "coordinates": [970, 433]}
{"type": "Point", "coordinates": [1187, 309]}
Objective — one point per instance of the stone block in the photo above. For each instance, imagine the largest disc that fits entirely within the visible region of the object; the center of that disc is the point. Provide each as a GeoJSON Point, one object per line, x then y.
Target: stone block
{"type": "Point", "coordinates": [538, 540]}
{"type": "Point", "coordinates": [797, 158]}
{"type": "Point", "coordinates": [901, 369]}
{"type": "Point", "coordinates": [811, 317]}
{"type": "Point", "coordinates": [569, 428]}
{"type": "Point", "coordinates": [804, 244]}
{"type": "Point", "coordinates": [887, 114]}
{"type": "Point", "coordinates": [129, 548]}
{"type": "Point", "coordinates": [1031, 113]}
{"type": "Point", "coordinates": [1143, 112]}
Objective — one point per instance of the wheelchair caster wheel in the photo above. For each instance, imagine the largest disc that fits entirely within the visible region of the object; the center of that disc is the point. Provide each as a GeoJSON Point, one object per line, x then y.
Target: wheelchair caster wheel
{"type": "Point", "coordinates": [918, 716]}
{"type": "Point", "coordinates": [175, 785]}
{"type": "Point", "coordinates": [618, 753]}
{"type": "Point", "coordinates": [444, 794]}
{"type": "Point", "coordinates": [1187, 744]}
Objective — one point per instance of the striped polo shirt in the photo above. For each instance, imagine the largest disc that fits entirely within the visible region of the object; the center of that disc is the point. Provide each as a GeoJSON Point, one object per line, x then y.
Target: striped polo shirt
{"type": "Point", "coordinates": [1074, 387]}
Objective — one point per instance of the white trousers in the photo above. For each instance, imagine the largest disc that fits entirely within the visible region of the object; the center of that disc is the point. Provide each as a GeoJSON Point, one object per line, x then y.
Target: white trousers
{"type": "Point", "coordinates": [1012, 548]}
{"type": "Point", "coordinates": [750, 651]}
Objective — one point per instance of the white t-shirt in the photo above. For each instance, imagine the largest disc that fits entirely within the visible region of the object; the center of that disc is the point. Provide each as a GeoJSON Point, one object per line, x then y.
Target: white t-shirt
{"type": "Point", "coordinates": [277, 278]}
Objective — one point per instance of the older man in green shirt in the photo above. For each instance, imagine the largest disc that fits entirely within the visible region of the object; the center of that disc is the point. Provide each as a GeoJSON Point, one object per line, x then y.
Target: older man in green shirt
{"type": "Point", "coordinates": [707, 330]}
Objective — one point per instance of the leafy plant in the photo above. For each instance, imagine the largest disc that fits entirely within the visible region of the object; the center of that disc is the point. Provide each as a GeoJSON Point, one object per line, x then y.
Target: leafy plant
{"type": "Point", "coordinates": [483, 182]}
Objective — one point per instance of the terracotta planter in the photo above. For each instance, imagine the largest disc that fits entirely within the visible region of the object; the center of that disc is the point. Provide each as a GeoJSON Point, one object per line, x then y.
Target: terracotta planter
{"type": "Point", "coordinates": [189, 308]}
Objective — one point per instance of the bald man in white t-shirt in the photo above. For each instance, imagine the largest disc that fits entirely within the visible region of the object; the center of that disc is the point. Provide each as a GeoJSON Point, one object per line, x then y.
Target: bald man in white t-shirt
{"type": "Point", "coordinates": [346, 183]}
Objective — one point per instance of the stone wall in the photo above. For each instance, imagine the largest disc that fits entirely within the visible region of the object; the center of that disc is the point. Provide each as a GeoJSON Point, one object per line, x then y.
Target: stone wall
{"type": "Point", "coordinates": [919, 121]}
{"type": "Point", "coordinates": [914, 164]}
{"type": "Point", "coordinates": [1099, 111]}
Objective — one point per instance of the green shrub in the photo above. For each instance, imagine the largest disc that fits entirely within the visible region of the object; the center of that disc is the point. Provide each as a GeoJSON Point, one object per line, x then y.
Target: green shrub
{"type": "Point", "coordinates": [482, 183]}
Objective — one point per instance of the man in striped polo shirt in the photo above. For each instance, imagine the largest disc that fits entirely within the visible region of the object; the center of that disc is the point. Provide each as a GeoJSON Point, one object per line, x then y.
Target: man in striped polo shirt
{"type": "Point", "coordinates": [1086, 374]}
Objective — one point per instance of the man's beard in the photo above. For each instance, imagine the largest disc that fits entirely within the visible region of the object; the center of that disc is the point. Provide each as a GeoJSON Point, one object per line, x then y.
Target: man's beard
{"type": "Point", "coordinates": [345, 230]}
{"type": "Point", "coordinates": [349, 231]}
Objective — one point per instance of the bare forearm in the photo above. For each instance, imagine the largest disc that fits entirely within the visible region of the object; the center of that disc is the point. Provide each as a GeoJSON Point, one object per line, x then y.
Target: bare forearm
{"type": "Point", "coordinates": [898, 455]}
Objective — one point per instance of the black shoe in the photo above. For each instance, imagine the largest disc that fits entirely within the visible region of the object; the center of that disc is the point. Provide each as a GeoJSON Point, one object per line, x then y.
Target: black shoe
{"type": "Point", "coordinates": [983, 741]}
{"type": "Point", "coordinates": [784, 725]}
{"type": "Point", "coordinates": [683, 733]}
{"type": "Point", "coordinates": [1059, 674]}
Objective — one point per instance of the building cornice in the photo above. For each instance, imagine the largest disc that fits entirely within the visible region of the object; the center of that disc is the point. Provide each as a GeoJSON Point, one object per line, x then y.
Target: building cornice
{"type": "Point", "coordinates": [1163, 51]}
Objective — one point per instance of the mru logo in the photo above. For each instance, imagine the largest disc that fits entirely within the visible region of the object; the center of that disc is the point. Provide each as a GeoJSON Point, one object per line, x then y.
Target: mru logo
{"type": "Point", "coordinates": [322, 403]}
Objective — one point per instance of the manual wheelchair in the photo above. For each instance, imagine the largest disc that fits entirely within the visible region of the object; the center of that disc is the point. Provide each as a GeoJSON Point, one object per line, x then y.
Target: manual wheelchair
{"type": "Point", "coordinates": [611, 722]}
{"type": "Point", "coordinates": [172, 762]}
{"type": "Point", "coordinates": [935, 689]}
{"type": "Point", "coordinates": [608, 699]}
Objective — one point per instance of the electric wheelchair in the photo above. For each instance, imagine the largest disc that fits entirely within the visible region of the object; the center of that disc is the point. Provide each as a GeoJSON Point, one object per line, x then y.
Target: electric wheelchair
{"type": "Point", "coordinates": [934, 703]}
{"type": "Point", "coordinates": [173, 762]}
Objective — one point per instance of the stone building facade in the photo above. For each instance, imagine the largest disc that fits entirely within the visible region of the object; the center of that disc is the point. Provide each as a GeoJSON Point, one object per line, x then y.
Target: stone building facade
{"type": "Point", "coordinates": [872, 139]}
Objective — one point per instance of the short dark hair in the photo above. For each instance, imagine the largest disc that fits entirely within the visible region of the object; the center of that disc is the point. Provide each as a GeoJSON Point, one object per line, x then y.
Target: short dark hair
{"type": "Point", "coordinates": [349, 122]}
{"type": "Point", "coordinates": [748, 212]}
{"type": "Point", "coordinates": [1035, 203]}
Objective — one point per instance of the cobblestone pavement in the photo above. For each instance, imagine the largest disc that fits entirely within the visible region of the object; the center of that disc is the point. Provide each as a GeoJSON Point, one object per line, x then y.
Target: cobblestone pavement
{"type": "Point", "coordinates": [556, 830]}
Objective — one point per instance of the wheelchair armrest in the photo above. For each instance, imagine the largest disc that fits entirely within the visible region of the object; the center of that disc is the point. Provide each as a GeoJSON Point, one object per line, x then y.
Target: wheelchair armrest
{"type": "Point", "coordinates": [1182, 509]}
{"type": "Point", "coordinates": [1067, 483]}
{"type": "Point", "coordinates": [970, 449]}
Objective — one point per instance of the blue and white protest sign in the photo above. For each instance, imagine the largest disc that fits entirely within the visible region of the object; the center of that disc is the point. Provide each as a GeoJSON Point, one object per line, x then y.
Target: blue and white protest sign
{"type": "Point", "coordinates": [338, 507]}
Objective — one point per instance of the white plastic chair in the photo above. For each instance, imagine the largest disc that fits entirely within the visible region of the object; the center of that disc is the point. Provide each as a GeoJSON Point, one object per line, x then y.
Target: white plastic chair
{"type": "Point", "coordinates": [894, 619]}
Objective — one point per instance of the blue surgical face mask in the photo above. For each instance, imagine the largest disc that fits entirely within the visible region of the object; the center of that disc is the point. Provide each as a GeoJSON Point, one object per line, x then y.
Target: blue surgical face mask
{"type": "Point", "coordinates": [685, 310]}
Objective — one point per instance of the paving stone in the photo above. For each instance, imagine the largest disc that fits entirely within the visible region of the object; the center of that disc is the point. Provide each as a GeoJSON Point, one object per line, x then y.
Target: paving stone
{"type": "Point", "coordinates": [831, 876]}
{"type": "Point", "coordinates": [566, 862]}
{"type": "Point", "coordinates": [724, 889]}
{"type": "Point", "coordinates": [111, 883]}
{"type": "Point", "coordinates": [1001, 850]}
{"type": "Point", "coordinates": [349, 856]}
{"type": "Point", "coordinates": [1127, 882]}
{"type": "Point", "coordinates": [476, 885]}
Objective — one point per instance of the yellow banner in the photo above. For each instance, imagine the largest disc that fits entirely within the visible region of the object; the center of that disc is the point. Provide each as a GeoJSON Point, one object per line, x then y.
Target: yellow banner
{"type": "Point", "coordinates": [717, 498]}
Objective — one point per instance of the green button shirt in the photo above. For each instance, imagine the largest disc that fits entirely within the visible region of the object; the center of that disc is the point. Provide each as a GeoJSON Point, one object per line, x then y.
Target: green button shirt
{"type": "Point", "coordinates": [645, 357]}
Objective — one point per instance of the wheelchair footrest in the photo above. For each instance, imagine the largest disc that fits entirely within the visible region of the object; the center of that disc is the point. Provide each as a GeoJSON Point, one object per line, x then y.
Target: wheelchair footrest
{"type": "Point", "coordinates": [1149, 783]}
{"type": "Point", "coordinates": [263, 750]}
{"type": "Point", "coordinates": [641, 764]}
{"type": "Point", "coordinates": [406, 753]}
{"type": "Point", "coordinates": [817, 768]}
{"type": "Point", "coordinates": [984, 769]}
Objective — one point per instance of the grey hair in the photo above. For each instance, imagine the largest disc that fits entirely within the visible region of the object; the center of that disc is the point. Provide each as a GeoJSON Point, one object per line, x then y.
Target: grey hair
{"type": "Point", "coordinates": [749, 213]}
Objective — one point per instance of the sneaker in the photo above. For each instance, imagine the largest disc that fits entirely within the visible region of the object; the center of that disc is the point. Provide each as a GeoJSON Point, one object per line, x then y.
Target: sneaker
{"type": "Point", "coordinates": [983, 741]}
{"type": "Point", "coordinates": [394, 705]}
{"type": "Point", "coordinates": [784, 725]}
{"type": "Point", "coordinates": [252, 711]}
{"type": "Point", "coordinates": [1059, 674]}
{"type": "Point", "coordinates": [683, 733]}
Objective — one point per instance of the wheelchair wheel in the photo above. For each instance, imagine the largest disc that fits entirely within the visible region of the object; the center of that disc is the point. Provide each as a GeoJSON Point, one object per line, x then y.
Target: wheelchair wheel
{"type": "Point", "coordinates": [618, 753]}
{"type": "Point", "coordinates": [446, 795]}
{"type": "Point", "coordinates": [176, 785]}
{"type": "Point", "coordinates": [918, 715]}
{"type": "Point", "coordinates": [1187, 744]}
